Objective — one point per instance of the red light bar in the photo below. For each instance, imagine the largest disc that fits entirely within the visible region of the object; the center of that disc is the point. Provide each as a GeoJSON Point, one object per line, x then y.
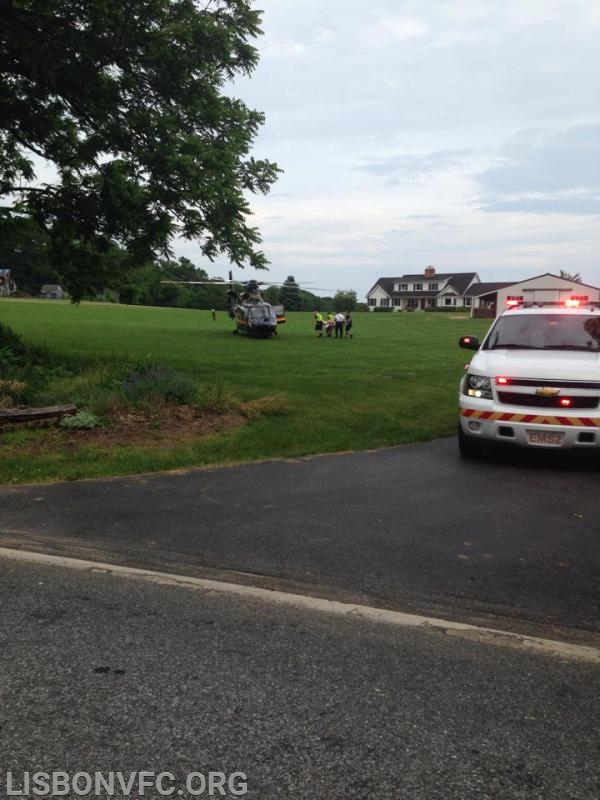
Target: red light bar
{"type": "Point", "coordinates": [514, 300]}
{"type": "Point", "coordinates": [565, 402]}
{"type": "Point", "coordinates": [502, 381]}
{"type": "Point", "coordinates": [572, 302]}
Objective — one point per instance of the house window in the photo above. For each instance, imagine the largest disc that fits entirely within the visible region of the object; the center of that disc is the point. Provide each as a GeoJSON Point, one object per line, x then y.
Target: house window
{"type": "Point", "coordinates": [467, 301]}
{"type": "Point", "coordinates": [418, 287]}
{"type": "Point", "coordinates": [433, 287]}
{"type": "Point", "coordinates": [447, 301]}
{"type": "Point", "coordinates": [404, 287]}
{"type": "Point", "coordinates": [396, 301]}
{"type": "Point", "coordinates": [385, 301]}
{"type": "Point", "coordinates": [372, 301]}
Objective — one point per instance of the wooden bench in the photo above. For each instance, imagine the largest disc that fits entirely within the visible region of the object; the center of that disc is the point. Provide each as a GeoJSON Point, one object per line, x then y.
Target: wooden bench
{"type": "Point", "coordinates": [36, 414]}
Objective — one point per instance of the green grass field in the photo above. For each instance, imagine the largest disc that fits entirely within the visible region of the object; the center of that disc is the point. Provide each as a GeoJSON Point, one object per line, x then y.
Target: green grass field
{"type": "Point", "coordinates": [394, 382]}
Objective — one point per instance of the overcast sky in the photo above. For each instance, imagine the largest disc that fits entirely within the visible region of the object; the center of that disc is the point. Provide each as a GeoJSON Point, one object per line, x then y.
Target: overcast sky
{"type": "Point", "coordinates": [462, 134]}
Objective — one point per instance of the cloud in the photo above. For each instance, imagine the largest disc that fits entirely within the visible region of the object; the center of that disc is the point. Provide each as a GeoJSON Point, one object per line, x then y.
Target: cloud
{"type": "Point", "coordinates": [402, 28]}
{"type": "Point", "coordinates": [285, 49]}
{"type": "Point", "coordinates": [541, 172]}
{"type": "Point", "coordinates": [397, 124]}
{"type": "Point", "coordinates": [409, 166]}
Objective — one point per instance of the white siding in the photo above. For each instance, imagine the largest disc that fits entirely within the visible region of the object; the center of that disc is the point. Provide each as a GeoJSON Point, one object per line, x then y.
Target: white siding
{"type": "Point", "coordinates": [546, 288]}
{"type": "Point", "coordinates": [378, 294]}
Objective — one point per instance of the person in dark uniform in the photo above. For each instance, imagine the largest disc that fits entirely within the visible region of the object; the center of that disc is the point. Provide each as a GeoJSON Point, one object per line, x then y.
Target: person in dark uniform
{"type": "Point", "coordinates": [348, 323]}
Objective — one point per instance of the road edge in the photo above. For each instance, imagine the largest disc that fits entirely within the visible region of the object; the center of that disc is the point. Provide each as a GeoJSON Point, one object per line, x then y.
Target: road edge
{"type": "Point", "coordinates": [484, 635]}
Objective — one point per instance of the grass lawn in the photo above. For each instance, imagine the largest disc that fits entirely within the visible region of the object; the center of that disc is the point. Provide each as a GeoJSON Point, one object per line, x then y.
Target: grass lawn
{"type": "Point", "coordinates": [394, 382]}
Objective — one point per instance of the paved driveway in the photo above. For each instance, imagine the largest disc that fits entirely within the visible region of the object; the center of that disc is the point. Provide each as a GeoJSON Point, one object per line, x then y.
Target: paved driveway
{"type": "Point", "coordinates": [102, 673]}
{"type": "Point", "coordinates": [506, 541]}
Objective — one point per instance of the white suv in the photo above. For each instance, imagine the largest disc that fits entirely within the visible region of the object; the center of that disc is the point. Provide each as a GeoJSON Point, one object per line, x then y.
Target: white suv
{"type": "Point", "coordinates": [534, 381]}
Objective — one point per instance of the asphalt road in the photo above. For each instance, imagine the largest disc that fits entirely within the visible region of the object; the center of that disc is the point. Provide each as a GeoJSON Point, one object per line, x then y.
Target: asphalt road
{"type": "Point", "coordinates": [508, 541]}
{"type": "Point", "coordinates": [104, 673]}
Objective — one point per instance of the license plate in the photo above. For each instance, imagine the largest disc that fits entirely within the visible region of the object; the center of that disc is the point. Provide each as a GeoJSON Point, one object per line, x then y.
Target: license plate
{"type": "Point", "coordinates": [547, 438]}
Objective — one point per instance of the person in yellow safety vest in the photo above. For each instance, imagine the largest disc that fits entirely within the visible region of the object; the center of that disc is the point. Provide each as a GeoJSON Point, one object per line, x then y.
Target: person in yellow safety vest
{"type": "Point", "coordinates": [330, 324]}
{"type": "Point", "coordinates": [318, 323]}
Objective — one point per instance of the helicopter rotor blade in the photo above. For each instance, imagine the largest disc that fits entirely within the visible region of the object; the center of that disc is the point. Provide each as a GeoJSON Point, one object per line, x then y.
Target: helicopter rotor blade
{"type": "Point", "coordinates": [307, 287]}
{"type": "Point", "coordinates": [202, 283]}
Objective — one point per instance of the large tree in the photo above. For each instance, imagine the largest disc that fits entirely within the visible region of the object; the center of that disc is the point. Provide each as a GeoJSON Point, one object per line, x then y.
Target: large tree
{"type": "Point", "coordinates": [128, 102]}
{"type": "Point", "coordinates": [344, 300]}
{"type": "Point", "coordinates": [289, 294]}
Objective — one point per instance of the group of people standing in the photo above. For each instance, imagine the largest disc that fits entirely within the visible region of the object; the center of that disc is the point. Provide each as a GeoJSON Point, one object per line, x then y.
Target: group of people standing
{"type": "Point", "coordinates": [340, 324]}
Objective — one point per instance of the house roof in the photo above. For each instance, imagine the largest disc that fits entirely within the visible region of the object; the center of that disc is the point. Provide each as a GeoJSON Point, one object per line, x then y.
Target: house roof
{"type": "Point", "coordinates": [479, 289]}
{"type": "Point", "coordinates": [458, 280]}
{"type": "Point", "coordinates": [387, 284]}
{"type": "Point", "coordinates": [419, 277]}
{"type": "Point", "coordinates": [558, 278]}
{"type": "Point", "coordinates": [461, 280]}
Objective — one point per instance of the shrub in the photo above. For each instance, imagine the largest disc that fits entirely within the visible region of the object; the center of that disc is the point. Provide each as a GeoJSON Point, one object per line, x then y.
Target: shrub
{"type": "Point", "coordinates": [8, 361]}
{"type": "Point", "coordinates": [12, 343]}
{"type": "Point", "coordinates": [12, 392]}
{"type": "Point", "coordinates": [25, 367]}
{"type": "Point", "coordinates": [82, 421]}
{"type": "Point", "coordinates": [158, 384]}
{"type": "Point", "coordinates": [217, 400]}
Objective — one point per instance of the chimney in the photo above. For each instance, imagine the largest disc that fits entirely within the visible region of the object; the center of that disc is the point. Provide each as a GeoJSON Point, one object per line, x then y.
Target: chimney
{"type": "Point", "coordinates": [430, 272]}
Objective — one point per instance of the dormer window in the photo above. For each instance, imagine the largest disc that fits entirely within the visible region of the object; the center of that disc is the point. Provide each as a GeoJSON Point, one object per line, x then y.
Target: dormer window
{"type": "Point", "coordinates": [433, 286]}
{"type": "Point", "coordinates": [404, 287]}
{"type": "Point", "coordinates": [418, 287]}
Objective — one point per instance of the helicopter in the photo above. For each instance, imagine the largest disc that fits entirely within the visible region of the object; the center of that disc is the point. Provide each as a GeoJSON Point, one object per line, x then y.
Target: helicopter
{"type": "Point", "coordinates": [251, 313]}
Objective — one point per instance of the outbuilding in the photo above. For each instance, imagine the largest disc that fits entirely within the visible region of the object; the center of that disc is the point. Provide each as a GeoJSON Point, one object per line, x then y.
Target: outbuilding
{"type": "Point", "coordinates": [52, 291]}
{"type": "Point", "coordinates": [490, 299]}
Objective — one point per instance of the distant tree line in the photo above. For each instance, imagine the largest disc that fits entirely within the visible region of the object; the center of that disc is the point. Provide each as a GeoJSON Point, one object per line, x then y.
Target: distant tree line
{"type": "Point", "coordinates": [25, 250]}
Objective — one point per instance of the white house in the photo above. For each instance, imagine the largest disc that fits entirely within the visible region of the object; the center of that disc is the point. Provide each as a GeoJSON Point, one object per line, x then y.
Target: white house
{"type": "Point", "coordinates": [426, 291]}
{"type": "Point", "coordinates": [7, 284]}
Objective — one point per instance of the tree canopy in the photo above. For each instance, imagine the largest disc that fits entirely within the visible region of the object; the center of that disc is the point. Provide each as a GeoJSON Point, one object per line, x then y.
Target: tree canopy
{"type": "Point", "coordinates": [289, 295]}
{"type": "Point", "coordinates": [344, 300]}
{"type": "Point", "coordinates": [126, 103]}
{"type": "Point", "coordinates": [570, 276]}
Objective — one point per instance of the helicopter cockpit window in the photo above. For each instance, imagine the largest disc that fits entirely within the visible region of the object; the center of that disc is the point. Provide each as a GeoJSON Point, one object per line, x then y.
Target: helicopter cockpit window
{"type": "Point", "coordinates": [262, 314]}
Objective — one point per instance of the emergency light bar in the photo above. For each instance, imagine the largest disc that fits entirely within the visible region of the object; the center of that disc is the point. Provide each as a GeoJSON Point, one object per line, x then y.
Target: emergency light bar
{"type": "Point", "coordinates": [576, 301]}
